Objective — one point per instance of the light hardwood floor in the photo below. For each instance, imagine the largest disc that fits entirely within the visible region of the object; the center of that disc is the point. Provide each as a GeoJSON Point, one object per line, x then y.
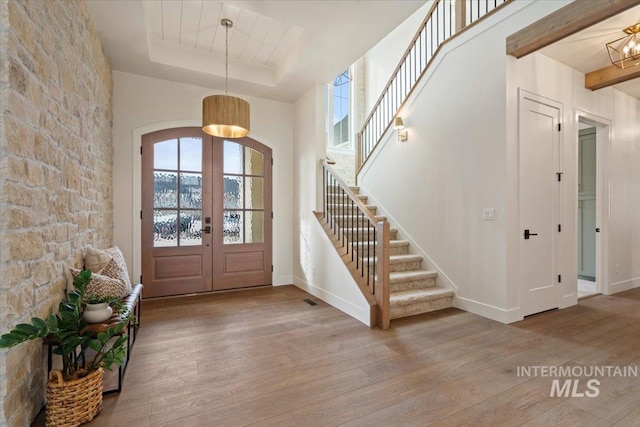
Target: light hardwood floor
{"type": "Point", "coordinates": [264, 357]}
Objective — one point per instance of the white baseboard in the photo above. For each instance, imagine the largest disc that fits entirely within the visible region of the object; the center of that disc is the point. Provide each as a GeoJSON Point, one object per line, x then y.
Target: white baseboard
{"type": "Point", "coordinates": [341, 304]}
{"type": "Point", "coordinates": [568, 300]}
{"type": "Point", "coordinates": [283, 280]}
{"type": "Point", "coordinates": [625, 285]}
{"type": "Point", "coordinates": [485, 310]}
{"type": "Point", "coordinates": [443, 279]}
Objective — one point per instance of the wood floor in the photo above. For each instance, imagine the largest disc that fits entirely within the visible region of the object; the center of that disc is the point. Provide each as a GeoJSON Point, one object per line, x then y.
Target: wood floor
{"type": "Point", "coordinates": [265, 357]}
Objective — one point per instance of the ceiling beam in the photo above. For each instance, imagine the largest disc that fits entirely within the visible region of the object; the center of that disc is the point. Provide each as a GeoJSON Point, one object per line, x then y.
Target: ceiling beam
{"type": "Point", "coordinates": [610, 75]}
{"type": "Point", "coordinates": [574, 17]}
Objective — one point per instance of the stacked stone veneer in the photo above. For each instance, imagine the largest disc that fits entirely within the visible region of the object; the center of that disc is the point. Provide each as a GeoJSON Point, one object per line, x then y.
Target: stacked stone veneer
{"type": "Point", "coordinates": [55, 174]}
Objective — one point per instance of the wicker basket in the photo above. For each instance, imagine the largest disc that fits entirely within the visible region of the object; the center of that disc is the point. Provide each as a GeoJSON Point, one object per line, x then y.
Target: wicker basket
{"type": "Point", "coordinates": [71, 403]}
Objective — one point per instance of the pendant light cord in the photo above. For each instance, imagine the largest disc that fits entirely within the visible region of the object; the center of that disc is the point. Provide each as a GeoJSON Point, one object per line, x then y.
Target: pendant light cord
{"type": "Point", "coordinates": [226, 60]}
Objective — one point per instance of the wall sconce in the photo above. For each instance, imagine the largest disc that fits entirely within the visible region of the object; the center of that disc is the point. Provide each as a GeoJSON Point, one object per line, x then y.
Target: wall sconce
{"type": "Point", "coordinates": [398, 125]}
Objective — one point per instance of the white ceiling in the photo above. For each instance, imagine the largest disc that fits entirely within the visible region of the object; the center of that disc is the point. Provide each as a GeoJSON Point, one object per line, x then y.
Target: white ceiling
{"type": "Point", "coordinates": [279, 48]}
{"type": "Point", "coordinates": [586, 51]}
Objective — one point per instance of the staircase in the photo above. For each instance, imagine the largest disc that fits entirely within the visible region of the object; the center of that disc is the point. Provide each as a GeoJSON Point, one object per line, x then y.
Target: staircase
{"type": "Point", "coordinates": [412, 290]}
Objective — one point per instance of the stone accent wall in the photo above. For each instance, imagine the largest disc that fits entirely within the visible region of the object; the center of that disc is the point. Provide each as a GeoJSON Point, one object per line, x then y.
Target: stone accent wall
{"type": "Point", "coordinates": [55, 174]}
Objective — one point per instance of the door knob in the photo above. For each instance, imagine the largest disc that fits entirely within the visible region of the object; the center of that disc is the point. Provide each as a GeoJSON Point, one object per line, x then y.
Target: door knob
{"type": "Point", "coordinates": [207, 229]}
{"type": "Point", "coordinates": [528, 234]}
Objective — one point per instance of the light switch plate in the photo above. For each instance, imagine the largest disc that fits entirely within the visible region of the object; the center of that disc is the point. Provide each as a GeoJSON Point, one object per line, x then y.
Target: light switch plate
{"type": "Point", "coordinates": [488, 214]}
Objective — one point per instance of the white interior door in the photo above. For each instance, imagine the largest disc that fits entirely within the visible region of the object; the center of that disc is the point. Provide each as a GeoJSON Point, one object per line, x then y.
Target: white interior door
{"type": "Point", "coordinates": [539, 204]}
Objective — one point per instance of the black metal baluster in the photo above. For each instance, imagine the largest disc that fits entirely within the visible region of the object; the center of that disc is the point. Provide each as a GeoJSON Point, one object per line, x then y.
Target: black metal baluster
{"type": "Point", "coordinates": [342, 232]}
{"type": "Point", "coordinates": [368, 260]}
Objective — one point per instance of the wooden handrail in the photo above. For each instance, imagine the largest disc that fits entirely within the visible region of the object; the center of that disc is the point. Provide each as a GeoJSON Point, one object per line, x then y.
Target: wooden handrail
{"type": "Point", "coordinates": [397, 69]}
{"type": "Point", "coordinates": [460, 25]}
{"type": "Point", "coordinates": [347, 189]}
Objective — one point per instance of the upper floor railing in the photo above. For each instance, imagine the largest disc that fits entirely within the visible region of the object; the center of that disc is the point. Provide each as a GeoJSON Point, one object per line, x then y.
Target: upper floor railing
{"type": "Point", "coordinates": [445, 19]}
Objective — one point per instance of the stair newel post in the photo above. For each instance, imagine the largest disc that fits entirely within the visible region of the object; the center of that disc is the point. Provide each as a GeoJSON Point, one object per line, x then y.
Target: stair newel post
{"type": "Point", "coordinates": [383, 249]}
{"type": "Point", "coordinates": [324, 191]}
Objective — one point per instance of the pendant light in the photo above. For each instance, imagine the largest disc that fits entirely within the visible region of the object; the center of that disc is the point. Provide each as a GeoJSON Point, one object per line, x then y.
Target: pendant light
{"type": "Point", "coordinates": [223, 115]}
{"type": "Point", "coordinates": [625, 52]}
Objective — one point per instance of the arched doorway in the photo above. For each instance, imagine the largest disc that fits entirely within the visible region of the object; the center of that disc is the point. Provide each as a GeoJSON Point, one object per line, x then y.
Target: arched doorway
{"type": "Point", "coordinates": [206, 212]}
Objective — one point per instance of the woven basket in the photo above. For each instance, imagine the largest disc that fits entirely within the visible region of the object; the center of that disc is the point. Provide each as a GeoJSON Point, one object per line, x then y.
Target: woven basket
{"type": "Point", "coordinates": [71, 403]}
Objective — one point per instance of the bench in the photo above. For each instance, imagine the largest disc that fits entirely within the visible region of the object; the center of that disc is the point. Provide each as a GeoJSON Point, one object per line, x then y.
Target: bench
{"type": "Point", "coordinates": [133, 308]}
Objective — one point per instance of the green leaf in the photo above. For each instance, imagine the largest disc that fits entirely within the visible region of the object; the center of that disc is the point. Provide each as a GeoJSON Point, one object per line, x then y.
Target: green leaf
{"type": "Point", "coordinates": [20, 333]}
{"type": "Point", "coordinates": [9, 340]}
{"type": "Point", "coordinates": [39, 323]}
{"type": "Point", "coordinates": [52, 322]}
{"type": "Point", "coordinates": [103, 337]}
{"type": "Point", "coordinates": [29, 329]}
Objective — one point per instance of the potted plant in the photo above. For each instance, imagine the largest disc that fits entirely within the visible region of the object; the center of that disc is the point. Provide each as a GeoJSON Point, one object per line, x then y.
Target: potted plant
{"type": "Point", "coordinates": [75, 393]}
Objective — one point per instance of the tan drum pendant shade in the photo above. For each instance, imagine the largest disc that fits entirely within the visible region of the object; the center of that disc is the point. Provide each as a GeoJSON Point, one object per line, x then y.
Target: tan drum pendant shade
{"type": "Point", "coordinates": [225, 116]}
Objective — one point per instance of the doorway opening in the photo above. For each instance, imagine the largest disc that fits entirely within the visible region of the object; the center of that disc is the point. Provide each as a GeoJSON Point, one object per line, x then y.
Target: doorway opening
{"type": "Point", "coordinates": [592, 205]}
{"type": "Point", "coordinates": [587, 207]}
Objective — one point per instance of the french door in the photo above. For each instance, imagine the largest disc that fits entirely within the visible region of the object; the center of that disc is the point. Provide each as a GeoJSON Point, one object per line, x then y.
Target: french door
{"type": "Point", "coordinates": [206, 212]}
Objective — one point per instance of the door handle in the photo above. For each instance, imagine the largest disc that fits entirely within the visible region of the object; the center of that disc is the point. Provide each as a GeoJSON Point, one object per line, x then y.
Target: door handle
{"type": "Point", "coordinates": [207, 229]}
{"type": "Point", "coordinates": [598, 230]}
{"type": "Point", "coordinates": [528, 234]}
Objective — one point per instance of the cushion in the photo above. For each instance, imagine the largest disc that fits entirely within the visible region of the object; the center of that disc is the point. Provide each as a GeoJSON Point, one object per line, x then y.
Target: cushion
{"type": "Point", "coordinates": [108, 262]}
{"type": "Point", "coordinates": [103, 286]}
{"type": "Point", "coordinates": [96, 260]}
{"type": "Point", "coordinates": [117, 267]}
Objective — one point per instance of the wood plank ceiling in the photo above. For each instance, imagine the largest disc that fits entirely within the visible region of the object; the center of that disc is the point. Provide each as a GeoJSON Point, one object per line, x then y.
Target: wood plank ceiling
{"type": "Point", "coordinates": [188, 33]}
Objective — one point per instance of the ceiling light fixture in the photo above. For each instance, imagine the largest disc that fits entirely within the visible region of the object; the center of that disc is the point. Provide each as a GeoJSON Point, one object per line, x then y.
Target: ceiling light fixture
{"type": "Point", "coordinates": [625, 52]}
{"type": "Point", "coordinates": [223, 115]}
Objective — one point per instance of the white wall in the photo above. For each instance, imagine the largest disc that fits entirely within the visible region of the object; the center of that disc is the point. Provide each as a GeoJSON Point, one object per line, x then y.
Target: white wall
{"type": "Point", "coordinates": [382, 59]}
{"type": "Point", "coordinates": [461, 155]}
{"type": "Point", "coordinates": [547, 77]}
{"type": "Point", "coordinates": [317, 268]}
{"type": "Point", "coordinates": [142, 105]}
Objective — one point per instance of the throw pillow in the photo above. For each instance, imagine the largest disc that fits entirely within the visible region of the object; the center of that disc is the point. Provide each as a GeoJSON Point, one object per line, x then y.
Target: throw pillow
{"type": "Point", "coordinates": [117, 267]}
{"type": "Point", "coordinates": [96, 260]}
{"type": "Point", "coordinates": [103, 286]}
